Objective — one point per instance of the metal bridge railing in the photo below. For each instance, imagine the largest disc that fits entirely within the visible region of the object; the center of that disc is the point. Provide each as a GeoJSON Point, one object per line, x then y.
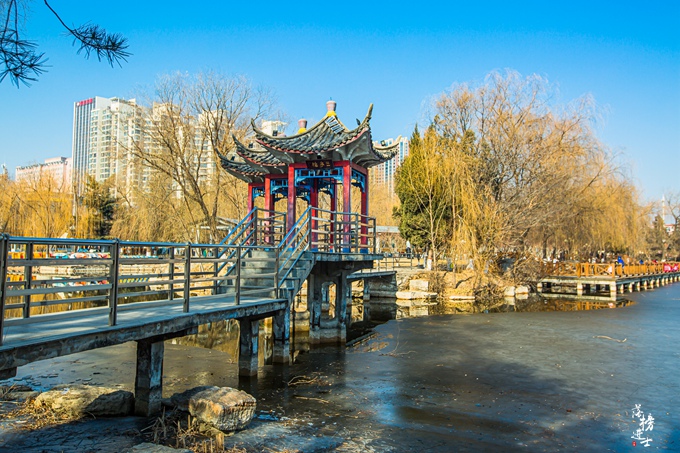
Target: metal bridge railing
{"type": "Point", "coordinates": [43, 275]}
{"type": "Point", "coordinates": [40, 276]}
{"type": "Point", "coordinates": [342, 232]}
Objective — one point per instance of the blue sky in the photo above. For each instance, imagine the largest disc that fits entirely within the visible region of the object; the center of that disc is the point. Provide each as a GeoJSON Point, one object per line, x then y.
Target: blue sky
{"type": "Point", "coordinates": [394, 55]}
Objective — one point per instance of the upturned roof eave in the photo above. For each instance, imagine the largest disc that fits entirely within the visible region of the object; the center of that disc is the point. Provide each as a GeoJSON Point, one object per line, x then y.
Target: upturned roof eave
{"type": "Point", "coordinates": [265, 158]}
{"type": "Point", "coordinates": [284, 143]}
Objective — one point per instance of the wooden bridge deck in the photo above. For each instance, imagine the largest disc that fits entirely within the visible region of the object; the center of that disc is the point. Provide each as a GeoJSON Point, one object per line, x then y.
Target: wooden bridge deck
{"type": "Point", "coordinates": [63, 333]}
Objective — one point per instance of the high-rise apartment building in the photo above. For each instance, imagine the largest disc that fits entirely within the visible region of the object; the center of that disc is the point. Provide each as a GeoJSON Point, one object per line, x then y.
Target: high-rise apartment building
{"type": "Point", "coordinates": [109, 135]}
{"type": "Point", "coordinates": [106, 131]}
{"type": "Point", "coordinates": [116, 132]}
{"type": "Point", "coordinates": [81, 138]}
{"type": "Point", "coordinates": [385, 172]}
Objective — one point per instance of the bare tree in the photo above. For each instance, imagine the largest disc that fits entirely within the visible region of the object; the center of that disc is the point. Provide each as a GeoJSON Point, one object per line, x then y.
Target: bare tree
{"type": "Point", "coordinates": [192, 121]}
{"type": "Point", "coordinates": [23, 63]}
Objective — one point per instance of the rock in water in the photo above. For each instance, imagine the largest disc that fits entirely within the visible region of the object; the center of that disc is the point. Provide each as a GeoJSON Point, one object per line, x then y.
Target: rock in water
{"type": "Point", "coordinates": [79, 400]}
{"type": "Point", "coordinates": [225, 408]}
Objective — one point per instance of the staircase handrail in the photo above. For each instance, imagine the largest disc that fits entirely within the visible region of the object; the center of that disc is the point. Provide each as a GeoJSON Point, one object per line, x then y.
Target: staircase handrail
{"type": "Point", "coordinates": [242, 234]}
{"type": "Point", "coordinates": [297, 235]}
{"type": "Point", "coordinates": [238, 225]}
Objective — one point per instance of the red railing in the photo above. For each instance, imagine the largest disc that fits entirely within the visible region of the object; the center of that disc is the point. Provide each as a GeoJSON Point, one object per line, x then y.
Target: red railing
{"type": "Point", "coordinates": [608, 269]}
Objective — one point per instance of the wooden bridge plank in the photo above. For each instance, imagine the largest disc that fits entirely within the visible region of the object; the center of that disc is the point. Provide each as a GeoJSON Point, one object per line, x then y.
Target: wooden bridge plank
{"type": "Point", "coordinates": [29, 342]}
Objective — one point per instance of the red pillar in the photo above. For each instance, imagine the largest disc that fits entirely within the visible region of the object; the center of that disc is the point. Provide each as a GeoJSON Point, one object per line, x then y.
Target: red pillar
{"type": "Point", "coordinates": [346, 203]}
{"type": "Point", "coordinates": [268, 197]}
{"type": "Point", "coordinates": [364, 213]}
{"type": "Point", "coordinates": [290, 213]}
{"type": "Point", "coordinates": [334, 208]}
{"type": "Point", "coordinates": [314, 203]}
{"type": "Point", "coordinates": [251, 201]}
{"type": "Point", "coordinates": [268, 206]}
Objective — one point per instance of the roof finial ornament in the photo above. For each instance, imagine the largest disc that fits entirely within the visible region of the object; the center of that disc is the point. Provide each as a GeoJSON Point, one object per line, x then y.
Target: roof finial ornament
{"type": "Point", "coordinates": [331, 105]}
{"type": "Point", "coordinates": [302, 125]}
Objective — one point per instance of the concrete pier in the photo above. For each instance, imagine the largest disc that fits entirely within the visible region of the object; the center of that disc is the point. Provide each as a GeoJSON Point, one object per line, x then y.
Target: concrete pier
{"type": "Point", "coordinates": [149, 377]}
{"type": "Point", "coordinates": [248, 346]}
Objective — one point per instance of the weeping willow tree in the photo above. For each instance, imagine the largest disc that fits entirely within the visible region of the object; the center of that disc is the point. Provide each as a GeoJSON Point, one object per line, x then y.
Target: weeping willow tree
{"type": "Point", "coordinates": [37, 206]}
{"type": "Point", "coordinates": [502, 171]}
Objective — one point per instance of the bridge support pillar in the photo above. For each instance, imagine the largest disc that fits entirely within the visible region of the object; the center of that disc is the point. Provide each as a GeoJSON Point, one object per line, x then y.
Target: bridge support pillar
{"type": "Point", "coordinates": [314, 286]}
{"type": "Point", "coordinates": [579, 289]}
{"type": "Point", "coordinates": [326, 300]}
{"type": "Point", "coordinates": [247, 359]}
{"type": "Point", "coordinates": [612, 291]}
{"type": "Point", "coordinates": [637, 286]}
{"type": "Point", "coordinates": [367, 311]}
{"type": "Point", "coordinates": [281, 328]}
{"type": "Point", "coordinates": [367, 291]}
{"type": "Point", "coordinates": [539, 287]}
{"type": "Point", "coordinates": [343, 294]}
{"type": "Point", "coordinates": [149, 377]}
{"type": "Point", "coordinates": [331, 329]}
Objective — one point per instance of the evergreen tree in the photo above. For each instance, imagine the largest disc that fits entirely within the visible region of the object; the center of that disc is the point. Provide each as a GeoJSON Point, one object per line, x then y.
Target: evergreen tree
{"type": "Point", "coordinates": [101, 206]}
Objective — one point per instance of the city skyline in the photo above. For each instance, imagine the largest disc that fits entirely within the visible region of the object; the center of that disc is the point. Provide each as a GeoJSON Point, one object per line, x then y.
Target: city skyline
{"type": "Point", "coordinates": [628, 60]}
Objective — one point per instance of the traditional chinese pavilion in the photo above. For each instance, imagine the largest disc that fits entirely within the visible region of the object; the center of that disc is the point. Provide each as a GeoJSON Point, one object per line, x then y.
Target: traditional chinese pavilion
{"type": "Point", "coordinates": [328, 158]}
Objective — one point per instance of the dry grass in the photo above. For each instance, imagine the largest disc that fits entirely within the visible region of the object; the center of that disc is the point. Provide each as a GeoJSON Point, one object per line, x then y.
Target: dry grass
{"type": "Point", "coordinates": [28, 417]}
{"type": "Point", "coordinates": [181, 430]}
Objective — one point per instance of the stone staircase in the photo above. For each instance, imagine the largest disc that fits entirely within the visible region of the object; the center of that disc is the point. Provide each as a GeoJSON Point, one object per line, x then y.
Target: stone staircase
{"type": "Point", "coordinates": [259, 274]}
{"type": "Point", "coordinates": [263, 260]}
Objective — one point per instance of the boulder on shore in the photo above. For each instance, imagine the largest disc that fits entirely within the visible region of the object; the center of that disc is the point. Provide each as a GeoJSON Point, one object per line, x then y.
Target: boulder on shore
{"type": "Point", "coordinates": [225, 408]}
{"type": "Point", "coordinates": [80, 400]}
{"type": "Point", "coordinates": [419, 285]}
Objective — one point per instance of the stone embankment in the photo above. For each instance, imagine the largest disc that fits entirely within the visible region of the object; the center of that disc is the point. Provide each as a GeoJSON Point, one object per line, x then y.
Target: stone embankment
{"type": "Point", "coordinates": [418, 285]}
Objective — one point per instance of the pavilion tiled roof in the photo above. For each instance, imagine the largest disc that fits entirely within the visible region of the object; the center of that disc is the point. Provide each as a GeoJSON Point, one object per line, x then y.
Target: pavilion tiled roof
{"type": "Point", "coordinates": [327, 135]}
{"type": "Point", "coordinates": [245, 171]}
{"type": "Point", "coordinates": [327, 139]}
{"type": "Point", "coordinates": [259, 156]}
